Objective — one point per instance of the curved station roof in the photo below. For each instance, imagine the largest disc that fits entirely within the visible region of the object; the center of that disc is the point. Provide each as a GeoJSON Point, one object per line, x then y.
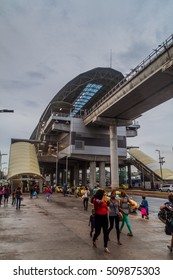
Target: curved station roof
{"type": "Point", "coordinates": [72, 100]}
{"type": "Point", "coordinates": [81, 93]}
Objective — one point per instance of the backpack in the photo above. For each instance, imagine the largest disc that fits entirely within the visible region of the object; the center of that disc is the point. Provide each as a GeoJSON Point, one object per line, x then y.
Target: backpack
{"type": "Point", "coordinates": [166, 214]}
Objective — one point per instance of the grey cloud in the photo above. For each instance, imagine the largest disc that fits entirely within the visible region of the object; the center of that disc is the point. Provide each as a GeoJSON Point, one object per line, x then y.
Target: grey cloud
{"type": "Point", "coordinates": [17, 84]}
{"type": "Point", "coordinates": [30, 103]}
{"type": "Point", "coordinates": [134, 54]}
{"type": "Point", "coordinates": [36, 75]}
{"type": "Point", "coordinates": [45, 44]}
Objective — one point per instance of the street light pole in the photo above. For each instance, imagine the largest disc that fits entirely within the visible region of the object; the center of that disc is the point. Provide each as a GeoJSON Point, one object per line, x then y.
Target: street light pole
{"type": "Point", "coordinates": [161, 162]}
{"type": "Point", "coordinates": [56, 177]}
{"type": "Point", "coordinates": [66, 170]}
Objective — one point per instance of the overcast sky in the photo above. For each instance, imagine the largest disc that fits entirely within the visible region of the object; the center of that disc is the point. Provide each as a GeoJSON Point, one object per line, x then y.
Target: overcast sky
{"type": "Point", "coordinates": [46, 43]}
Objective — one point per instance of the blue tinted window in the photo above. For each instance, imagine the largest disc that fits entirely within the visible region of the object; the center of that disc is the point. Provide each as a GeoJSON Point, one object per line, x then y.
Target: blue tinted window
{"type": "Point", "coordinates": [88, 92]}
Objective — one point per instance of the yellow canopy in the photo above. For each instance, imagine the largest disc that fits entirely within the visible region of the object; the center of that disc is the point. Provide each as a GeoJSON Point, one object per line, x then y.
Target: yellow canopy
{"type": "Point", "coordinates": [23, 161]}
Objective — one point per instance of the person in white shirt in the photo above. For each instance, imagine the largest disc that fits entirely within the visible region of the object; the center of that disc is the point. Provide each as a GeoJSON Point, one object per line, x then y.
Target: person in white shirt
{"type": "Point", "coordinates": [86, 198]}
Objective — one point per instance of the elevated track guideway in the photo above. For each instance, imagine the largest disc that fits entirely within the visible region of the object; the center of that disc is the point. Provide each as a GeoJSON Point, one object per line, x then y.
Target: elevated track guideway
{"type": "Point", "coordinates": [145, 87]}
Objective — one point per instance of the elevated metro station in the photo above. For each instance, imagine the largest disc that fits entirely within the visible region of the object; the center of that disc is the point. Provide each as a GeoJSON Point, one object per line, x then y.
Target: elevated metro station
{"type": "Point", "coordinates": [86, 124]}
{"type": "Point", "coordinates": [66, 149]}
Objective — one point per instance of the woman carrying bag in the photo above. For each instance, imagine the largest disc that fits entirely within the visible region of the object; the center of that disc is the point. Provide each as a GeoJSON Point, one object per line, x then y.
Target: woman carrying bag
{"type": "Point", "coordinates": [124, 207]}
{"type": "Point", "coordinates": [114, 216]}
{"type": "Point", "coordinates": [101, 218]}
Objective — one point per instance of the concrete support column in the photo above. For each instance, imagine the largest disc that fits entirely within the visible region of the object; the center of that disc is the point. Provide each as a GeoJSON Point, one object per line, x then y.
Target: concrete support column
{"type": "Point", "coordinates": [71, 175]}
{"type": "Point", "coordinates": [92, 174]}
{"type": "Point", "coordinates": [114, 156]}
{"type": "Point", "coordinates": [102, 174]}
{"type": "Point", "coordinates": [40, 182]}
{"type": "Point", "coordinates": [64, 176]}
{"type": "Point", "coordinates": [84, 175]}
{"type": "Point", "coordinates": [76, 175]}
{"type": "Point", "coordinates": [129, 175]}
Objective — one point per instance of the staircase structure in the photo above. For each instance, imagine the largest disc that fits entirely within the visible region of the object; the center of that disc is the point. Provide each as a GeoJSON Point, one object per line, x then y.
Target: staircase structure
{"type": "Point", "coordinates": [150, 167]}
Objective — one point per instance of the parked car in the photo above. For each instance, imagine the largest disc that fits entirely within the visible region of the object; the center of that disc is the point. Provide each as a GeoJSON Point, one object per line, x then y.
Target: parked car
{"type": "Point", "coordinates": [124, 187]}
{"type": "Point", "coordinates": [166, 188]}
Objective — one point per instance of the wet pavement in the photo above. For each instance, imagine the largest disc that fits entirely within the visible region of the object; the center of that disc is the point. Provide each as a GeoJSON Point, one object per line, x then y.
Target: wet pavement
{"type": "Point", "coordinates": [58, 230]}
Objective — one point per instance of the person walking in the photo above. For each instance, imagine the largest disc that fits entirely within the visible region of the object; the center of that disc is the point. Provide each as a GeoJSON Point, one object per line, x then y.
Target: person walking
{"type": "Point", "coordinates": [95, 189]}
{"type": "Point", "coordinates": [6, 195]}
{"type": "Point", "coordinates": [144, 208]}
{"type": "Point", "coordinates": [92, 222]}
{"type": "Point", "coordinates": [124, 207]}
{"type": "Point", "coordinates": [18, 198]}
{"type": "Point", "coordinates": [1, 194]}
{"type": "Point", "coordinates": [168, 205]}
{"type": "Point", "coordinates": [114, 216]}
{"type": "Point", "coordinates": [13, 196]}
{"type": "Point", "coordinates": [64, 187]}
{"type": "Point", "coordinates": [101, 218]}
{"type": "Point", "coordinates": [48, 193]}
{"type": "Point", "coordinates": [86, 198]}
{"type": "Point", "coordinates": [31, 190]}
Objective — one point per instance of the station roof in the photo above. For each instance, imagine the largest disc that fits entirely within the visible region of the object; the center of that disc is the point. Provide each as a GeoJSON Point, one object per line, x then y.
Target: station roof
{"type": "Point", "coordinates": [81, 93]}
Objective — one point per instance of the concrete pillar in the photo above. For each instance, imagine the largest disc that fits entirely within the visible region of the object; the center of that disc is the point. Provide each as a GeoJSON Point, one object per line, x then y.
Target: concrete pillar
{"type": "Point", "coordinates": [40, 182]}
{"type": "Point", "coordinates": [129, 175]}
{"type": "Point", "coordinates": [60, 177]}
{"type": "Point", "coordinates": [84, 175]}
{"type": "Point", "coordinates": [92, 174]}
{"type": "Point", "coordinates": [102, 174]}
{"type": "Point", "coordinates": [114, 156]}
{"type": "Point", "coordinates": [71, 175]}
{"type": "Point", "coordinates": [64, 176]}
{"type": "Point", "coordinates": [76, 175]}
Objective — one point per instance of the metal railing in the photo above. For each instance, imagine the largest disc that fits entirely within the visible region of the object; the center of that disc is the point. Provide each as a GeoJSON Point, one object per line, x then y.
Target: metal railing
{"type": "Point", "coordinates": [134, 72]}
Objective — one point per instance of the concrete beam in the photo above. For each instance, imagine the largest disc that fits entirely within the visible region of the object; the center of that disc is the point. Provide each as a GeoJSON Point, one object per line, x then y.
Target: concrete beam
{"type": "Point", "coordinates": [111, 121]}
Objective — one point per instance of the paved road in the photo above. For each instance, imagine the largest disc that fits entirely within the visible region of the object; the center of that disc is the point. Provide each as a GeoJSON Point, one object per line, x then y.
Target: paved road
{"type": "Point", "coordinates": [58, 230]}
{"type": "Point", "coordinates": [153, 202]}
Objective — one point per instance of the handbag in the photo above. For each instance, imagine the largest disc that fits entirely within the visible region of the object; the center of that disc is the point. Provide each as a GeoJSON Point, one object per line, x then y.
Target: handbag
{"type": "Point", "coordinates": [143, 211]}
{"type": "Point", "coordinates": [162, 215]}
{"type": "Point", "coordinates": [166, 215]}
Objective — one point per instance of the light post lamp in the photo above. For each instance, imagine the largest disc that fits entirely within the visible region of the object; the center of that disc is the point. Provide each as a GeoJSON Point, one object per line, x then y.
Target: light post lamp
{"type": "Point", "coordinates": [161, 162]}
{"type": "Point", "coordinates": [2, 170]}
{"type": "Point", "coordinates": [6, 111]}
{"type": "Point", "coordinates": [1, 159]}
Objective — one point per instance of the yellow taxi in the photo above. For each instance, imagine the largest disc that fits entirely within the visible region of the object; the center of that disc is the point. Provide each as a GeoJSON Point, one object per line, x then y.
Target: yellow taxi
{"type": "Point", "coordinates": [79, 191]}
{"type": "Point", "coordinates": [124, 187]}
{"type": "Point", "coordinates": [59, 189]}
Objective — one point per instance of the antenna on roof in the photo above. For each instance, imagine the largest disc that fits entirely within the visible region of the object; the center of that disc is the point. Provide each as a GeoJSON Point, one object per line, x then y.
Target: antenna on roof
{"type": "Point", "coordinates": [110, 58]}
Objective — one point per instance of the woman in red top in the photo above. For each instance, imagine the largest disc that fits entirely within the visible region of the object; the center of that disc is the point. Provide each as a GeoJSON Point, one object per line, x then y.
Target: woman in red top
{"type": "Point", "coordinates": [101, 218]}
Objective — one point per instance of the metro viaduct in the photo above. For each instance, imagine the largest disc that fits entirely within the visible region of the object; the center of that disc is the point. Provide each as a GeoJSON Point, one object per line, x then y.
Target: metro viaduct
{"type": "Point", "coordinates": [86, 124]}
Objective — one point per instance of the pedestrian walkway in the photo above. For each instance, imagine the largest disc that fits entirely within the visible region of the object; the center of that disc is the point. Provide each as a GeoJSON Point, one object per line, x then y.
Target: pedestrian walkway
{"type": "Point", "coordinates": [58, 230]}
